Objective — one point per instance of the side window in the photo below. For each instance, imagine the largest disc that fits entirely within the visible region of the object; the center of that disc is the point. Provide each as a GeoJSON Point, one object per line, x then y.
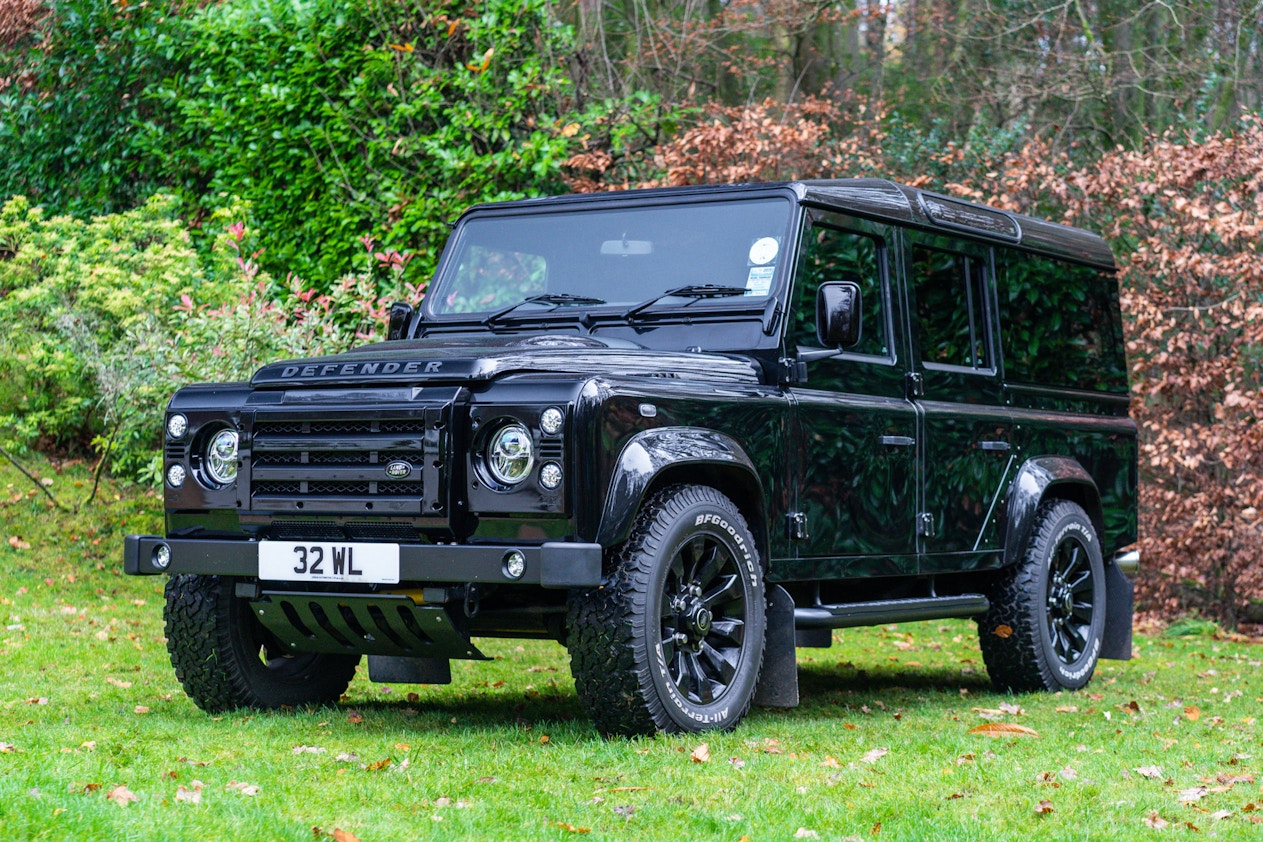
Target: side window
{"type": "Point", "coordinates": [833, 253]}
{"type": "Point", "coordinates": [951, 314]}
{"type": "Point", "coordinates": [494, 278]}
{"type": "Point", "coordinates": [1061, 324]}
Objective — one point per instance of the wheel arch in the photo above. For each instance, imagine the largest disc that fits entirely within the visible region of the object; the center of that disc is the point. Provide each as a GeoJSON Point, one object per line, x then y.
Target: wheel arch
{"type": "Point", "coordinates": [664, 456]}
{"type": "Point", "coordinates": [1047, 478]}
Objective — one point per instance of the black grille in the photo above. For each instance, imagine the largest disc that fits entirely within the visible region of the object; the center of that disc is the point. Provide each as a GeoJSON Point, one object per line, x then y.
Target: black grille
{"type": "Point", "coordinates": [344, 464]}
{"type": "Point", "coordinates": [286, 530]}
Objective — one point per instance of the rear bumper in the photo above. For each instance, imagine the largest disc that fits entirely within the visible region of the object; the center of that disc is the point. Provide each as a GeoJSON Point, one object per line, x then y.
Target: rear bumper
{"type": "Point", "coordinates": [552, 565]}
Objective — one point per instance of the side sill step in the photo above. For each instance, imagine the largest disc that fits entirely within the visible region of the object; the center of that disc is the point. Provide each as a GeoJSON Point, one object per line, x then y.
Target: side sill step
{"type": "Point", "coordinates": [852, 614]}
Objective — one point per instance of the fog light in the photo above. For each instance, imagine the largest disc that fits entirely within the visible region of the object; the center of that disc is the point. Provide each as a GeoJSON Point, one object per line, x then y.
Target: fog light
{"type": "Point", "coordinates": [551, 420]}
{"type": "Point", "coordinates": [550, 475]}
{"type": "Point", "coordinates": [176, 475]}
{"type": "Point", "coordinates": [177, 426]}
{"type": "Point", "coordinates": [162, 556]}
{"type": "Point", "coordinates": [514, 564]}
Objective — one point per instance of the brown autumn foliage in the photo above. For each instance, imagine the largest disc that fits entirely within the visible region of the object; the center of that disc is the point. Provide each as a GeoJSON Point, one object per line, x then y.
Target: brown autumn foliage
{"type": "Point", "coordinates": [18, 19]}
{"type": "Point", "coordinates": [1185, 219]}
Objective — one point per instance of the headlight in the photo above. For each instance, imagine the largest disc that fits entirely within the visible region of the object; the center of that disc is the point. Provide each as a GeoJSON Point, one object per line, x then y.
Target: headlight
{"type": "Point", "coordinates": [550, 420]}
{"type": "Point", "coordinates": [221, 457]}
{"type": "Point", "coordinates": [510, 455]}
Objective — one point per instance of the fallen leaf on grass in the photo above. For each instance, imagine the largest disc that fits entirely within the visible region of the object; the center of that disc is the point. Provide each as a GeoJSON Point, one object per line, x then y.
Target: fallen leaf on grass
{"type": "Point", "coordinates": [121, 795]}
{"type": "Point", "coordinates": [191, 794]}
{"type": "Point", "coordinates": [354, 717]}
{"type": "Point", "coordinates": [1220, 815]}
{"type": "Point", "coordinates": [17, 543]}
{"type": "Point", "coordinates": [379, 765]}
{"type": "Point", "coordinates": [875, 755]}
{"type": "Point", "coordinates": [141, 709]}
{"type": "Point", "coordinates": [1044, 807]}
{"type": "Point", "coordinates": [109, 679]}
{"type": "Point", "coordinates": [1152, 772]}
{"type": "Point", "coordinates": [1015, 710]}
{"type": "Point", "coordinates": [625, 811]}
{"type": "Point", "coordinates": [1068, 709]}
{"type": "Point", "coordinates": [1192, 794]}
{"type": "Point", "coordinates": [1155, 821]}
{"type": "Point", "coordinates": [1003, 729]}
{"type": "Point", "coordinates": [242, 787]}
{"type": "Point", "coordinates": [701, 754]}
{"type": "Point", "coordinates": [340, 835]}
{"type": "Point", "coordinates": [344, 757]}
{"type": "Point", "coordinates": [570, 828]}
{"type": "Point", "coordinates": [7, 748]}
{"type": "Point", "coordinates": [308, 750]}
{"type": "Point", "coordinates": [831, 763]}
{"type": "Point", "coordinates": [804, 833]}
{"type": "Point", "coordinates": [1192, 713]}
{"type": "Point", "coordinates": [1068, 773]}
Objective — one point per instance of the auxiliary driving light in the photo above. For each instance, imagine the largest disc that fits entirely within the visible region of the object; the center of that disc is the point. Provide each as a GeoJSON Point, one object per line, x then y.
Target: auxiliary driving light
{"type": "Point", "coordinates": [176, 475]}
{"type": "Point", "coordinates": [550, 475]}
{"type": "Point", "coordinates": [177, 426]}
{"type": "Point", "coordinates": [162, 556]}
{"type": "Point", "coordinates": [550, 420]}
{"type": "Point", "coordinates": [514, 564]}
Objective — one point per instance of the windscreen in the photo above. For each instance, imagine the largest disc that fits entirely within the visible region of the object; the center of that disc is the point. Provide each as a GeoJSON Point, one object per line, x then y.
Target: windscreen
{"type": "Point", "coordinates": [617, 257]}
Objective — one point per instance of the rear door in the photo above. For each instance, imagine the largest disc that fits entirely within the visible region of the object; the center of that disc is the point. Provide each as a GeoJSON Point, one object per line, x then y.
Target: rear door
{"type": "Point", "coordinates": [965, 429]}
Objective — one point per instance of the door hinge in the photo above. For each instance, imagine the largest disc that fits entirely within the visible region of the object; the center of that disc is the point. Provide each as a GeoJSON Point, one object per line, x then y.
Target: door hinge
{"type": "Point", "coordinates": [796, 523]}
{"type": "Point", "coordinates": [925, 524]}
{"type": "Point", "coordinates": [915, 384]}
{"type": "Point", "coordinates": [793, 371]}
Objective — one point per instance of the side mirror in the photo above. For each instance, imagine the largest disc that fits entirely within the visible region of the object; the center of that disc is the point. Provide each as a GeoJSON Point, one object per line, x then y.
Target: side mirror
{"type": "Point", "coordinates": [838, 314]}
{"type": "Point", "coordinates": [400, 316]}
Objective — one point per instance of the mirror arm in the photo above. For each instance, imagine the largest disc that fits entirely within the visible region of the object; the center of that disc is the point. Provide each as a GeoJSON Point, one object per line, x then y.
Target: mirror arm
{"type": "Point", "coordinates": [813, 354]}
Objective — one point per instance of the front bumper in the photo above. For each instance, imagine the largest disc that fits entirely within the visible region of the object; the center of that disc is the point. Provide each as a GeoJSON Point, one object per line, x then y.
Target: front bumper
{"type": "Point", "coordinates": [551, 565]}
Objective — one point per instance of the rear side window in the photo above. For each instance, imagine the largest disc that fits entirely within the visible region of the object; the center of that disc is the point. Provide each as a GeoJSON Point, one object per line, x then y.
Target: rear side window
{"type": "Point", "coordinates": [951, 316]}
{"type": "Point", "coordinates": [1060, 323]}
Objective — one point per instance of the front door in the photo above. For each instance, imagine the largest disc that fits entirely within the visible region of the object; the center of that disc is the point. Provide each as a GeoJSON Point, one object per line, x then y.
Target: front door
{"type": "Point", "coordinates": [966, 431]}
{"type": "Point", "coordinates": [857, 431]}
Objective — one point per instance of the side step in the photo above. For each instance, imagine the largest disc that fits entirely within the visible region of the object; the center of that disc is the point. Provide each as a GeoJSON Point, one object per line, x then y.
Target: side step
{"type": "Point", "coordinates": [851, 614]}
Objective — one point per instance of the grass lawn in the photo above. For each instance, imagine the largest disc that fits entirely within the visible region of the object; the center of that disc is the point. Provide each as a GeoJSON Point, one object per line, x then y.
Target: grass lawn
{"type": "Point", "coordinates": [97, 740]}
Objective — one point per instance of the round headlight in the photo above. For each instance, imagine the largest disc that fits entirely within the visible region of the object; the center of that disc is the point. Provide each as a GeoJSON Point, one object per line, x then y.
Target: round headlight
{"type": "Point", "coordinates": [175, 476]}
{"type": "Point", "coordinates": [551, 419]}
{"type": "Point", "coordinates": [510, 454]}
{"type": "Point", "coordinates": [221, 457]}
{"type": "Point", "coordinates": [177, 426]}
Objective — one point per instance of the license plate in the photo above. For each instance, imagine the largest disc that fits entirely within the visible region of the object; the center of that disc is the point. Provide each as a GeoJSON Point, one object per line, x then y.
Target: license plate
{"type": "Point", "coordinates": [323, 561]}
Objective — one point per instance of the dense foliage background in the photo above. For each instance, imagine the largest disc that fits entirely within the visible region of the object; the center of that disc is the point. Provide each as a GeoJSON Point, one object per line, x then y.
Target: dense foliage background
{"type": "Point", "coordinates": [191, 187]}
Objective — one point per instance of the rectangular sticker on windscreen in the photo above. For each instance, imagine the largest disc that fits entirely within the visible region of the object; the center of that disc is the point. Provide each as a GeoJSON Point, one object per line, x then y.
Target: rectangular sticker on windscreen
{"type": "Point", "coordinates": [759, 281]}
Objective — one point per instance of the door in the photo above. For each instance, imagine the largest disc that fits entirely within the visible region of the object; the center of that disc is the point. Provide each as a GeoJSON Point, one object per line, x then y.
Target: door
{"type": "Point", "coordinates": [857, 431]}
{"type": "Point", "coordinates": [966, 431]}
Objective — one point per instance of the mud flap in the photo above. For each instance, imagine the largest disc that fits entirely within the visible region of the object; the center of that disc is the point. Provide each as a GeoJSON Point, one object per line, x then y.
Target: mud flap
{"type": "Point", "coordinates": [1119, 607]}
{"type": "Point", "coordinates": [778, 683]}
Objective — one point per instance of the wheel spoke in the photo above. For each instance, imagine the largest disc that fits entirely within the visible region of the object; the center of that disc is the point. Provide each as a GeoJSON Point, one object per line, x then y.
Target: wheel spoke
{"type": "Point", "coordinates": [710, 567]}
{"type": "Point", "coordinates": [728, 590]}
{"type": "Point", "coordinates": [1076, 640]}
{"type": "Point", "coordinates": [696, 552]}
{"type": "Point", "coordinates": [1082, 611]}
{"type": "Point", "coordinates": [1072, 560]}
{"type": "Point", "coordinates": [723, 663]}
{"type": "Point", "coordinates": [700, 684]}
{"type": "Point", "coordinates": [729, 629]}
{"type": "Point", "coordinates": [1083, 583]}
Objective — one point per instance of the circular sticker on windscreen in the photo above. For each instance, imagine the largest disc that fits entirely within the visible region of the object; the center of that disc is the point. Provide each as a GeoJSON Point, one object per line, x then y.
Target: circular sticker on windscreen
{"type": "Point", "coordinates": [764, 250]}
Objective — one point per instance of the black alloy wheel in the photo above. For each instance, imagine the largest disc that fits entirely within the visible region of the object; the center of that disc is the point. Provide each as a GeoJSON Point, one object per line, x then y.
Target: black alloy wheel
{"type": "Point", "coordinates": [672, 640]}
{"type": "Point", "coordinates": [1046, 624]}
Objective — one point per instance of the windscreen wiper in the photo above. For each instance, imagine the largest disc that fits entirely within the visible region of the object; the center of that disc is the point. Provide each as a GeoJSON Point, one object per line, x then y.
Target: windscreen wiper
{"type": "Point", "coordinates": [555, 298]}
{"type": "Point", "coordinates": [690, 291]}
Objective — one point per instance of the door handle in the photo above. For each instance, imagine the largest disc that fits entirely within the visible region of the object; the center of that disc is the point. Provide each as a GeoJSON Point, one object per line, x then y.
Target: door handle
{"type": "Point", "coordinates": [995, 446]}
{"type": "Point", "coordinates": [897, 441]}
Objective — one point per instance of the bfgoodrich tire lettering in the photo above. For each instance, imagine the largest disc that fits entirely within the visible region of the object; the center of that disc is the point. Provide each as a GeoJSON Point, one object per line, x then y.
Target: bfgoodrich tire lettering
{"type": "Point", "coordinates": [224, 659]}
{"type": "Point", "coordinates": [1047, 616]}
{"type": "Point", "coordinates": [673, 639]}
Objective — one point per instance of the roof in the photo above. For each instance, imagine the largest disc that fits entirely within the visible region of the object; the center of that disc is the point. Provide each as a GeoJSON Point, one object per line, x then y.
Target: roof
{"type": "Point", "coordinates": [884, 200]}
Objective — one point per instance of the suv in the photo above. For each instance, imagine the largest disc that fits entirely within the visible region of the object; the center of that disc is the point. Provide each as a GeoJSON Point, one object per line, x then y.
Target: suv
{"type": "Point", "coordinates": [681, 432]}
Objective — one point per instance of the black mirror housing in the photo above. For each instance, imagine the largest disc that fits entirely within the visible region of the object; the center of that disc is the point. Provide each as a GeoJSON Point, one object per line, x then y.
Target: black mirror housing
{"type": "Point", "coordinates": [401, 314]}
{"type": "Point", "coordinates": [838, 314]}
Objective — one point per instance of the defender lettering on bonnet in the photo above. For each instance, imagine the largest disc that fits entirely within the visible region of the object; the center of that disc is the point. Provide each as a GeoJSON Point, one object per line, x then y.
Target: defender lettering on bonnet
{"type": "Point", "coordinates": [870, 405]}
{"type": "Point", "coordinates": [364, 369]}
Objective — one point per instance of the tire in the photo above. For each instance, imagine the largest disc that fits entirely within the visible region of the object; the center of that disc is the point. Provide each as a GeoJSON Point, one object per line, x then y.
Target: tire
{"type": "Point", "coordinates": [1047, 617]}
{"type": "Point", "coordinates": [225, 660]}
{"type": "Point", "coordinates": [672, 641]}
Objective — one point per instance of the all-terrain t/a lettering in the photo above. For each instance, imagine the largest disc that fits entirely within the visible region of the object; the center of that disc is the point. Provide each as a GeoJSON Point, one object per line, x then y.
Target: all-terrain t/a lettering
{"type": "Point", "coordinates": [684, 432]}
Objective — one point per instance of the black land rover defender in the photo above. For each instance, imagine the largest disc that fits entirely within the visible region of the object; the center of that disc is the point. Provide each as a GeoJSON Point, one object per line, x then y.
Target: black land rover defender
{"type": "Point", "coordinates": [681, 432]}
